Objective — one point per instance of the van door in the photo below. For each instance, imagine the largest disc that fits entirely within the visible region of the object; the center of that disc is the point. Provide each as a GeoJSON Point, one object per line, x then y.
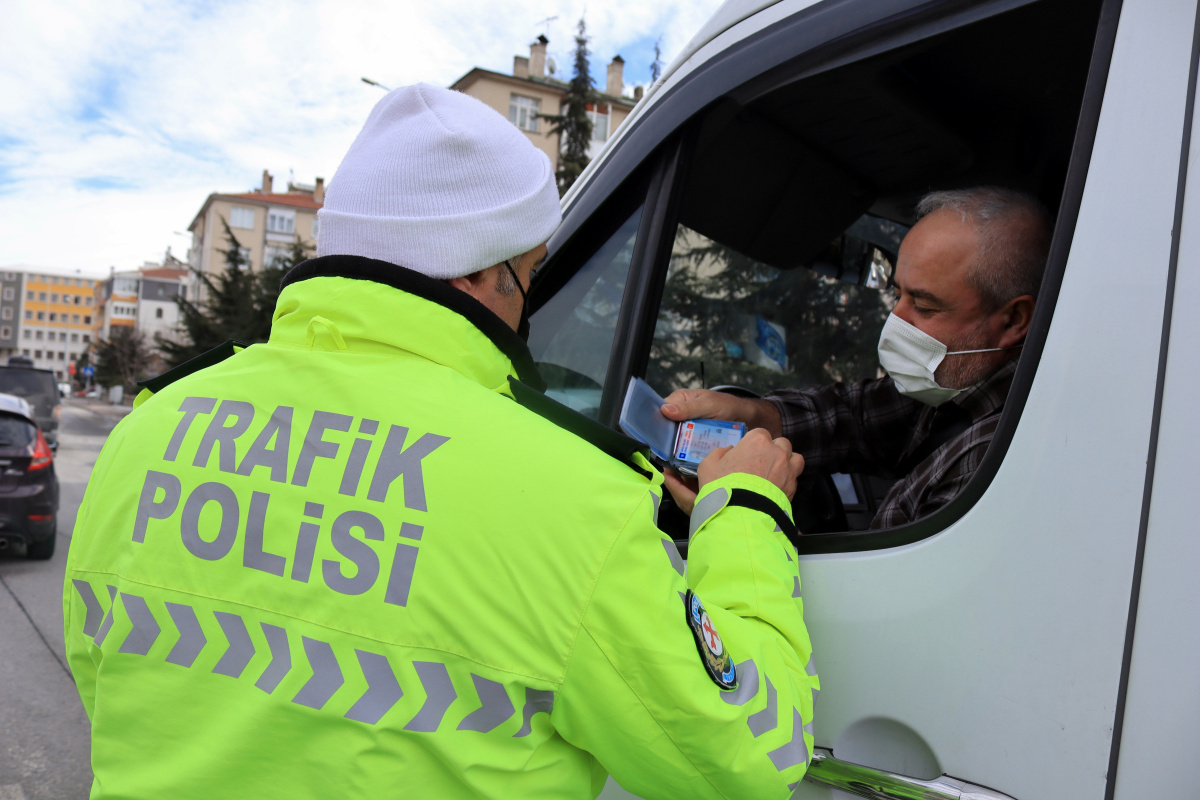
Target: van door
{"type": "Point", "coordinates": [985, 642]}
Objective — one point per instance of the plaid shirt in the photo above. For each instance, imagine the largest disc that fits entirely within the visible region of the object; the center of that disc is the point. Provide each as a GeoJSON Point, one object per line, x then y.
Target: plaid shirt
{"type": "Point", "coordinates": [870, 427]}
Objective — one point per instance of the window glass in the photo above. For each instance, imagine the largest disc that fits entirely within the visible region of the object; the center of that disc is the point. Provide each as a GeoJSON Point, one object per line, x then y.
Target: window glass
{"type": "Point", "coordinates": [16, 432]}
{"type": "Point", "coordinates": [240, 217]}
{"type": "Point", "coordinates": [571, 336]}
{"type": "Point", "coordinates": [523, 111]}
{"type": "Point", "coordinates": [728, 320]}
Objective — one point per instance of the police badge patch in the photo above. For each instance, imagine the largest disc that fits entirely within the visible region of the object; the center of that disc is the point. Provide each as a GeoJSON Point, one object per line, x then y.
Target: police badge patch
{"type": "Point", "coordinates": [712, 649]}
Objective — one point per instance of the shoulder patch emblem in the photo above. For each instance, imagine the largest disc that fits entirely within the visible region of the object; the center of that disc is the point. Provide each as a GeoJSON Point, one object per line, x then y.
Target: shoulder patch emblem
{"type": "Point", "coordinates": [712, 649]}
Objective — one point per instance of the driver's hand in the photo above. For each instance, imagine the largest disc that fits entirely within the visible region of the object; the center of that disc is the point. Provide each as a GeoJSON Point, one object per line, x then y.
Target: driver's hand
{"type": "Point", "coordinates": [756, 454]}
{"type": "Point", "coordinates": [682, 488]}
{"type": "Point", "coordinates": [685, 404]}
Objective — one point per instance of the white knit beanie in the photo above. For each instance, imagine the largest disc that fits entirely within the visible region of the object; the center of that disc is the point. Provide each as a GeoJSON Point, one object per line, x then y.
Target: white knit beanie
{"type": "Point", "coordinates": [440, 183]}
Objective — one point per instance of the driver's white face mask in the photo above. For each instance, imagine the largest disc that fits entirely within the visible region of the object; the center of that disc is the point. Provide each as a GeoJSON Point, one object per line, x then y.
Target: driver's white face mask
{"type": "Point", "coordinates": [911, 356]}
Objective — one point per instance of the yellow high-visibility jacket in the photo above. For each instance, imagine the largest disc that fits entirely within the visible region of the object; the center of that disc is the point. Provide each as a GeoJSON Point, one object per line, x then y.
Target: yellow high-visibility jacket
{"type": "Point", "coordinates": [347, 564]}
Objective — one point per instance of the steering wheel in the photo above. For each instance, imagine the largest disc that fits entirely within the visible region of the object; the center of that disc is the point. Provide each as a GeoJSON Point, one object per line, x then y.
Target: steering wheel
{"type": "Point", "coordinates": [817, 505]}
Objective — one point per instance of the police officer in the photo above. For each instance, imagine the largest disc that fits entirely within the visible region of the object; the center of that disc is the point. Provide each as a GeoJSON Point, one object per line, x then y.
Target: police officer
{"type": "Point", "coordinates": [357, 561]}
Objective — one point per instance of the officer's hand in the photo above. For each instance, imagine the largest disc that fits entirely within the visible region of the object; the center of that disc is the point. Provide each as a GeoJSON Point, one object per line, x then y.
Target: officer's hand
{"type": "Point", "coordinates": [682, 488]}
{"type": "Point", "coordinates": [685, 404]}
{"type": "Point", "coordinates": [756, 454]}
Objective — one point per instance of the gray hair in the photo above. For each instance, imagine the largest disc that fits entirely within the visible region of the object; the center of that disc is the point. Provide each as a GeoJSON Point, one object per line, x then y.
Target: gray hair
{"type": "Point", "coordinates": [1014, 238]}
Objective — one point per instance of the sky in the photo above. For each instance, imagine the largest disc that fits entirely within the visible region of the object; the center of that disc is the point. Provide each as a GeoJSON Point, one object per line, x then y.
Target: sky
{"type": "Point", "coordinates": [120, 118]}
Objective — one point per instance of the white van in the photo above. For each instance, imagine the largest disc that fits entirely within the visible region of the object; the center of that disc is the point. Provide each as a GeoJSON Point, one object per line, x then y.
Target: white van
{"type": "Point", "coordinates": [1039, 637]}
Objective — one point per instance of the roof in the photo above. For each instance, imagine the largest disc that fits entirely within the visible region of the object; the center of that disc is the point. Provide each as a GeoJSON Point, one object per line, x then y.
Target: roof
{"type": "Point", "coordinates": [543, 83]}
{"type": "Point", "coordinates": [164, 272]}
{"type": "Point", "coordinates": [298, 200]}
{"type": "Point", "coordinates": [61, 272]}
{"type": "Point", "coordinates": [294, 199]}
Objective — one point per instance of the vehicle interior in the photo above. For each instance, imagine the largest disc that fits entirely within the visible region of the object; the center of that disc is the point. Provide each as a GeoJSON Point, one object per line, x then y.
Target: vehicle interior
{"type": "Point", "coordinates": [778, 211]}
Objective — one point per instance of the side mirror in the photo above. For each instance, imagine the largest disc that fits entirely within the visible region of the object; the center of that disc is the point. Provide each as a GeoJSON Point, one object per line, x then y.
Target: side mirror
{"type": "Point", "coordinates": [53, 445]}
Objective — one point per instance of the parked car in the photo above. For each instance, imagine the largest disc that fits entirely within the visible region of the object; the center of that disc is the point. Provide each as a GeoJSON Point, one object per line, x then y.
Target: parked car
{"type": "Point", "coordinates": [39, 387]}
{"type": "Point", "coordinates": [28, 483]}
{"type": "Point", "coordinates": [1038, 635]}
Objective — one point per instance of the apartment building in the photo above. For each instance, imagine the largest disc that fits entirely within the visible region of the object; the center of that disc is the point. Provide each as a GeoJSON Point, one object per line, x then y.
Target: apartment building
{"type": "Point", "coordinates": [47, 315]}
{"type": "Point", "coordinates": [530, 91]}
{"type": "Point", "coordinates": [264, 222]}
{"type": "Point", "coordinates": [143, 299]}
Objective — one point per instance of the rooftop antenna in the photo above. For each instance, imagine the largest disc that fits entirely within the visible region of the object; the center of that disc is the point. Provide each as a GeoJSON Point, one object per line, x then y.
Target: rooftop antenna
{"type": "Point", "coordinates": [547, 22]}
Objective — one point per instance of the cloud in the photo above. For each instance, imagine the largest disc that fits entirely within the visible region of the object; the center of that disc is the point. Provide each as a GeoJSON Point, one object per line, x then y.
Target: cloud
{"type": "Point", "coordinates": [122, 117]}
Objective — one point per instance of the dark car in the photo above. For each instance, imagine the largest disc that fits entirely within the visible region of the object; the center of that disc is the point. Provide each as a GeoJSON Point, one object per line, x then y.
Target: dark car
{"type": "Point", "coordinates": [28, 484]}
{"type": "Point", "coordinates": [39, 387]}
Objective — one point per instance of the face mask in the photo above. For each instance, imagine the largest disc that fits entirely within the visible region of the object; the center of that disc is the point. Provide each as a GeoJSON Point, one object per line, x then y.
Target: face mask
{"type": "Point", "coordinates": [911, 356]}
{"type": "Point", "coordinates": [523, 325]}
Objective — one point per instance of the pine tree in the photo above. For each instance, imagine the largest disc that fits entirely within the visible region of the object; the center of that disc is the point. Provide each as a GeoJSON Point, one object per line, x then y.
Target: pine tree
{"type": "Point", "coordinates": [123, 359]}
{"type": "Point", "coordinates": [573, 125]}
{"type": "Point", "coordinates": [237, 303]}
{"type": "Point", "coordinates": [656, 66]}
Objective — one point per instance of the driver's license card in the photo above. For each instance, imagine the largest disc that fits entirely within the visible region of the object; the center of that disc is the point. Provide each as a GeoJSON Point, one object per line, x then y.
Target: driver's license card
{"type": "Point", "coordinates": [698, 437]}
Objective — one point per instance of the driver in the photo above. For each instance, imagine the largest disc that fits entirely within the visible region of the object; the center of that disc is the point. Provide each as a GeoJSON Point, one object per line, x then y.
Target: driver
{"type": "Point", "coordinates": [966, 279]}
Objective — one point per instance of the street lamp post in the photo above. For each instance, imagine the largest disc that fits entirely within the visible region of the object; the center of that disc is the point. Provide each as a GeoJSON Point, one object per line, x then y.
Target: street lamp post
{"type": "Point", "coordinates": [375, 83]}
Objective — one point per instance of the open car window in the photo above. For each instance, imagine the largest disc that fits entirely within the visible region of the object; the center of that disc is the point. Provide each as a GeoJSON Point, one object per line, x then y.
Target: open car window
{"type": "Point", "coordinates": [763, 260]}
{"type": "Point", "coordinates": [729, 320]}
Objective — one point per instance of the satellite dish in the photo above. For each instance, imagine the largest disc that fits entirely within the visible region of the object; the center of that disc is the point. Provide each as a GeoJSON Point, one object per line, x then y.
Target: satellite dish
{"type": "Point", "coordinates": [551, 67]}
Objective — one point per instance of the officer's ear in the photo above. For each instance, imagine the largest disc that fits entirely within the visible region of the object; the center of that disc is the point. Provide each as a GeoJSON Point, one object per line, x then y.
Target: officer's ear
{"type": "Point", "coordinates": [474, 284]}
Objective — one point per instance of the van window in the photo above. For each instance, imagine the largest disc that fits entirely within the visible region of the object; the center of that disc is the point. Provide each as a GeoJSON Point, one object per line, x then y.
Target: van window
{"type": "Point", "coordinates": [573, 335]}
{"type": "Point", "coordinates": [729, 320]}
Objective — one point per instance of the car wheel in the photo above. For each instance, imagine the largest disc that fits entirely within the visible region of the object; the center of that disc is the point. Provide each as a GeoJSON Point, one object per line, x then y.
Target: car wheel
{"type": "Point", "coordinates": [42, 550]}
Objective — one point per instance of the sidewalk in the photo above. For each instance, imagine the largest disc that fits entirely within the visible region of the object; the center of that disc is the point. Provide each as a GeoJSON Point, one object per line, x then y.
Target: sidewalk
{"type": "Point", "coordinates": [98, 407]}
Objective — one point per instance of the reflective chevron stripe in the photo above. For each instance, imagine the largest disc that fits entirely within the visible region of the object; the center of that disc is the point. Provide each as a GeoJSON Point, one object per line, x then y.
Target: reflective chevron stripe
{"type": "Point", "coordinates": [191, 637]}
{"type": "Point", "coordinates": [106, 625]}
{"type": "Point", "coordinates": [673, 554]}
{"type": "Point", "coordinates": [281, 658]}
{"type": "Point", "coordinates": [795, 752]}
{"type": "Point", "coordinates": [145, 629]}
{"type": "Point", "coordinates": [496, 708]}
{"type": "Point", "coordinates": [439, 694]}
{"type": "Point", "coordinates": [768, 719]}
{"type": "Point", "coordinates": [535, 700]}
{"type": "Point", "coordinates": [383, 690]}
{"type": "Point", "coordinates": [747, 687]}
{"type": "Point", "coordinates": [91, 622]}
{"type": "Point", "coordinates": [241, 649]}
{"type": "Point", "coordinates": [326, 678]}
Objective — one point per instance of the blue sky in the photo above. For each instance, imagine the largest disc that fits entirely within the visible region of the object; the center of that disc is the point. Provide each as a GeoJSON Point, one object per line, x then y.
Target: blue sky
{"type": "Point", "coordinates": [120, 118]}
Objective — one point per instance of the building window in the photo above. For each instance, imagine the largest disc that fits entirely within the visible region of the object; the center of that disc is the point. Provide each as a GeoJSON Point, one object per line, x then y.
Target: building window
{"type": "Point", "coordinates": [74, 356]}
{"type": "Point", "coordinates": [158, 313]}
{"type": "Point", "coordinates": [87, 301]}
{"type": "Point", "coordinates": [41, 297]}
{"type": "Point", "coordinates": [599, 113]}
{"type": "Point", "coordinates": [10, 276]}
{"type": "Point", "coordinates": [9, 293]}
{"type": "Point", "coordinates": [74, 337]}
{"type": "Point", "coordinates": [6, 332]}
{"type": "Point", "coordinates": [62, 356]}
{"type": "Point", "coordinates": [79, 282]}
{"type": "Point", "coordinates": [280, 221]}
{"type": "Point", "coordinates": [28, 314]}
{"type": "Point", "coordinates": [6, 313]}
{"type": "Point", "coordinates": [523, 112]}
{"type": "Point", "coordinates": [86, 338]}
{"type": "Point", "coordinates": [53, 316]}
{"type": "Point", "coordinates": [38, 335]}
{"type": "Point", "coordinates": [29, 295]}
{"type": "Point", "coordinates": [76, 299]}
{"type": "Point", "coordinates": [54, 280]}
{"type": "Point", "coordinates": [28, 333]}
{"type": "Point", "coordinates": [86, 321]}
{"type": "Point", "coordinates": [37, 353]}
{"type": "Point", "coordinates": [241, 217]}
{"type": "Point", "coordinates": [74, 319]}
{"type": "Point", "coordinates": [88, 284]}
{"type": "Point", "coordinates": [41, 316]}
{"type": "Point", "coordinates": [54, 297]}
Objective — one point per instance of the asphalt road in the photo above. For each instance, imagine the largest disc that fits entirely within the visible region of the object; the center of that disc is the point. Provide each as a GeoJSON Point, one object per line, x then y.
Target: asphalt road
{"type": "Point", "coordinates": [44, 749]}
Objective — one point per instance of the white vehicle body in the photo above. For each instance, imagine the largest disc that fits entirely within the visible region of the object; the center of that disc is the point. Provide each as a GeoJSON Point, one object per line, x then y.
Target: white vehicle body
{"type": "Point", "coordinates": [1040, 640]}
